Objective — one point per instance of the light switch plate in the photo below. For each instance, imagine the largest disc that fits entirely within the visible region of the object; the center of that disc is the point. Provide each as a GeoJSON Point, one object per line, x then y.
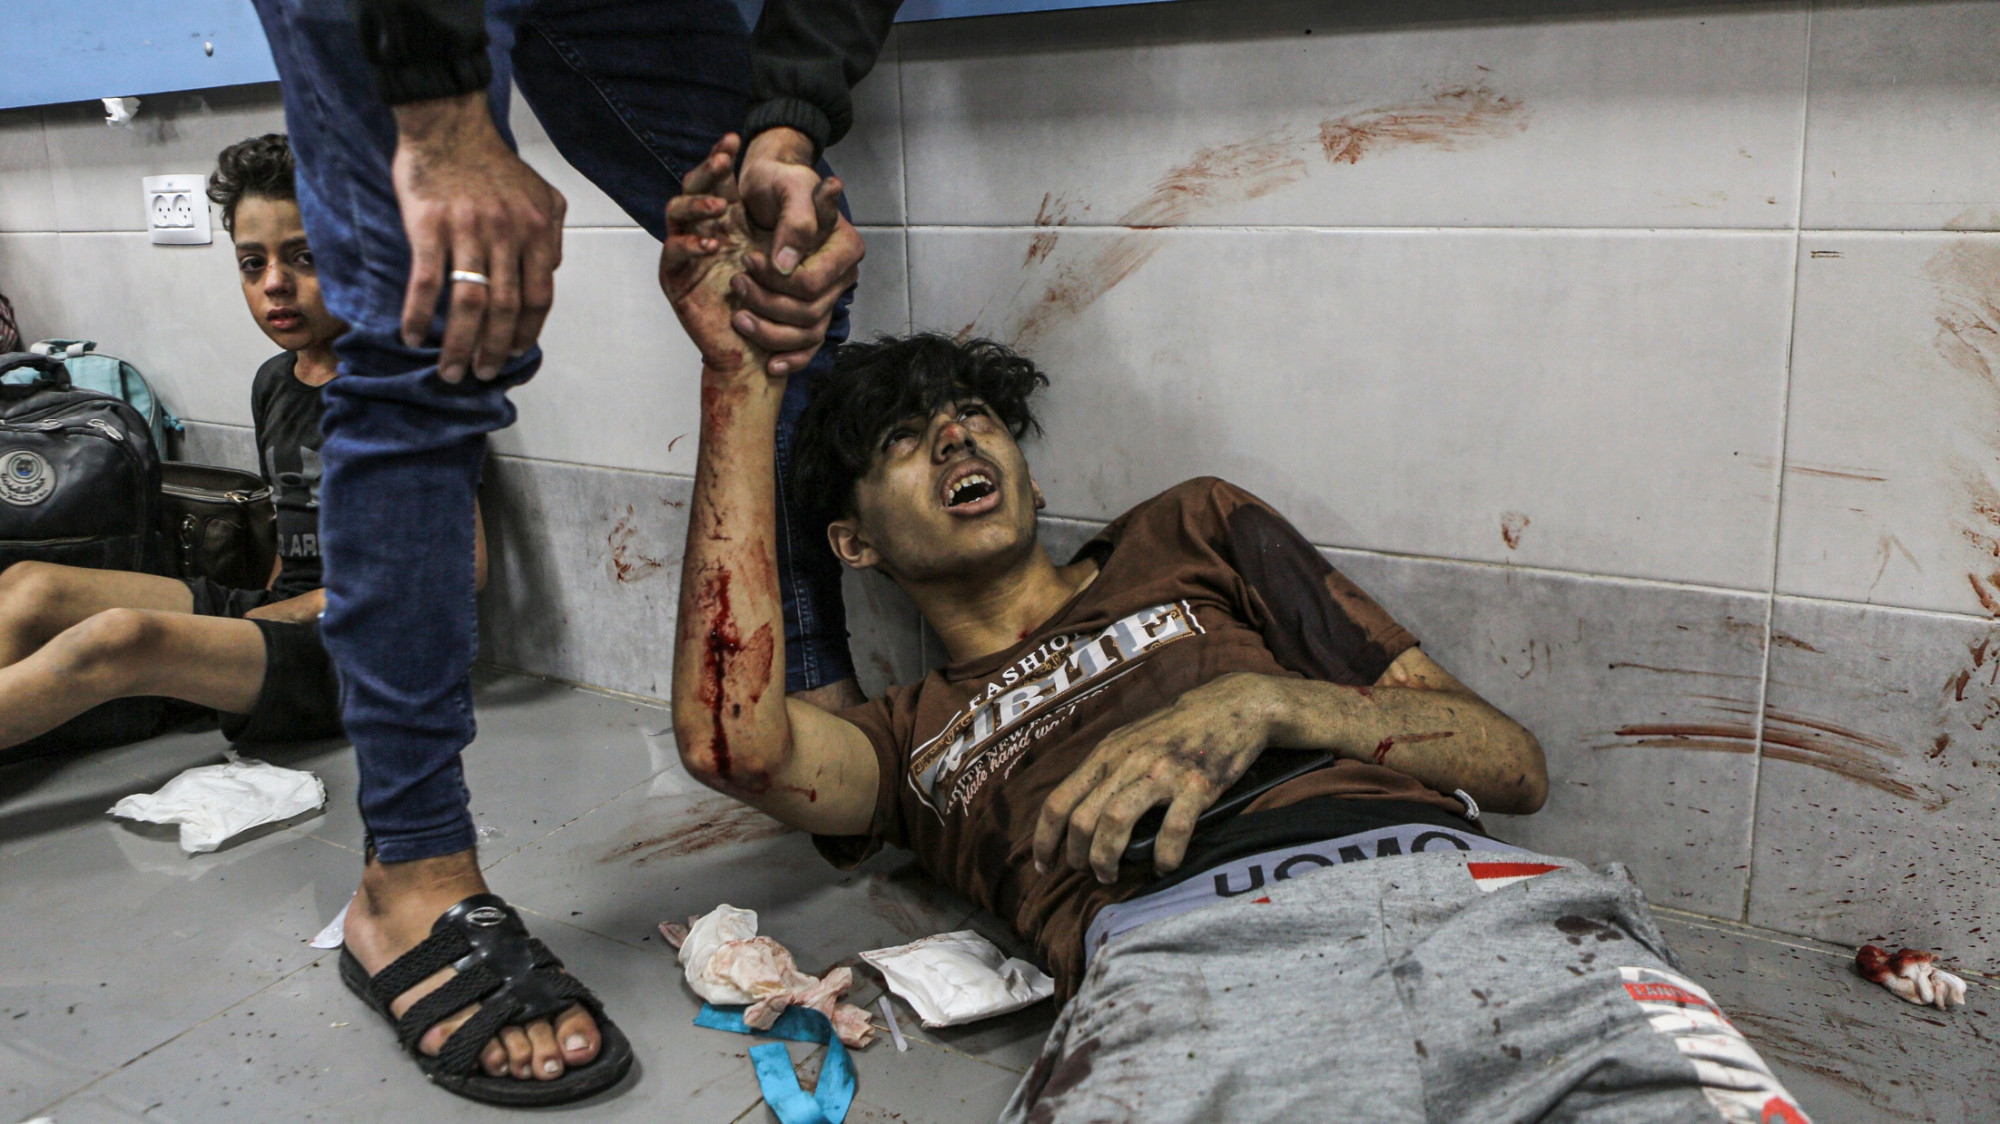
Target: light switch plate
{"type": "Point", "coordinates": [177, 210]}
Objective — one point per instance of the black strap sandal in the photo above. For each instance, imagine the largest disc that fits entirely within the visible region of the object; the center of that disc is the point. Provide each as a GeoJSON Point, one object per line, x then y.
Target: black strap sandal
{"type": "Point", "coordinates": [514, 978]}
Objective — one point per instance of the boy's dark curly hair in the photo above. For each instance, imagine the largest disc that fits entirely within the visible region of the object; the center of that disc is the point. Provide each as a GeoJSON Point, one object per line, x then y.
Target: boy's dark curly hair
{"type": "Point", "coordinates": [875, 385]}
{"type": "Point", "coordinates": [258, 166]}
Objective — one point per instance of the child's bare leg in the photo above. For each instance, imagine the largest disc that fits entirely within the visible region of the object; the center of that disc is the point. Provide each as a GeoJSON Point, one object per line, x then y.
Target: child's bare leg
{"type": "Point", "coordinates": [209, 661]}
{"type": "Point", "coordinates": [39, 600]}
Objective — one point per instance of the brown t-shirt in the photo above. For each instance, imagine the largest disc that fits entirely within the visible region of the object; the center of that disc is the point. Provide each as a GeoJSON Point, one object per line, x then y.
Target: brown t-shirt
{"type": "Point", "coordinates": [1197, 582]}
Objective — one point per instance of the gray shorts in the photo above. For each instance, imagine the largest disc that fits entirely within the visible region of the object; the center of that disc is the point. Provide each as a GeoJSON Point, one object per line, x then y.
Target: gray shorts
{"type": "Point", "coordinates": [1402, 990]}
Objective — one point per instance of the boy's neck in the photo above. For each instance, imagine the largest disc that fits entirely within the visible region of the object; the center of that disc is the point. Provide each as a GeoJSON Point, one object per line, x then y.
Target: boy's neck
{"type": "Point", "coordinates": [997, 613]}
{"type": "Point", "coordinates": [316, 365]}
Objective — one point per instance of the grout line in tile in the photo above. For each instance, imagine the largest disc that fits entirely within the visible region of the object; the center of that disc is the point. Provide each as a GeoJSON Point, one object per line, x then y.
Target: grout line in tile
{"type": "Point", "coordinates": [903, 169]}
{"type": "Point", "coordinates": [1937, 614]}
{"type": "Point", "coordinates": [574, 684]}
{"type": "Point", "coordinates": [1550, 571]}
{"type": "Point", "coordinates": [1745, 930]}
{"type": "Point", "coordinates": [1387, 229]}
{"type": "Point", "coordinates": [915, 1041]}
{"type": "Point", "coordinates": [558, 828]}
{"type": "Point", "coordinates": [1778, 480]}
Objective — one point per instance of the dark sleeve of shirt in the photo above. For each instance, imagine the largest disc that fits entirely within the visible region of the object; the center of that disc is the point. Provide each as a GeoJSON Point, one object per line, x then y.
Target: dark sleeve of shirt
{"type": "Point", "coordinates": [1317, 622]}
{"type": "Point", "coordinates": [423, 49]}
{"type": "Point", "coordinates": [805, 58]}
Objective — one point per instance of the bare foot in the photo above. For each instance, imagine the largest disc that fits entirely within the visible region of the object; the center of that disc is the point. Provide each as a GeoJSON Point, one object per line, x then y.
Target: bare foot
{"type": "Point", "coordinates": [393, 912]}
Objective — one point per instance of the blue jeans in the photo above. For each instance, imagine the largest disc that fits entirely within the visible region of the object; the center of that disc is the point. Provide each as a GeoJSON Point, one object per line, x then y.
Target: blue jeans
{"type": "Point", "coordinates": [633, 92]}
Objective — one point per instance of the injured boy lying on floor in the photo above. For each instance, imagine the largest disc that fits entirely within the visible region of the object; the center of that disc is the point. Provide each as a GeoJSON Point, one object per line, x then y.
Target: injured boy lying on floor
{"type": "Point", "coordinates": [1350, 944]}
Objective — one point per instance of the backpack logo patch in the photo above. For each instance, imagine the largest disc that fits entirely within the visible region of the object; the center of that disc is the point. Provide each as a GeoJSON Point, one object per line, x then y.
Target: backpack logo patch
{"type": "Point", "coordinates": [25, 478]}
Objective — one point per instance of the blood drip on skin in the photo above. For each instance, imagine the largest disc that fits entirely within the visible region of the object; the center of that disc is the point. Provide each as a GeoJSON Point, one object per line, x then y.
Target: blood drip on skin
{"type": "Point", "coordinates": [726, 655]}
{"type": "Point", "coordinates": [1383, 747]}
{"type": "Point", "coordinates": [723, 643]}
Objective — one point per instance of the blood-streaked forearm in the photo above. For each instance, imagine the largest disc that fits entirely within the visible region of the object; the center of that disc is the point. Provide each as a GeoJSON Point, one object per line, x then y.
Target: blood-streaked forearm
{"type": "Point", "coordinates": [729, 658]}
{"type": "Point", "coordinates": [737, 731]}
{"type": "Point", "coordinates": [1448, 739]}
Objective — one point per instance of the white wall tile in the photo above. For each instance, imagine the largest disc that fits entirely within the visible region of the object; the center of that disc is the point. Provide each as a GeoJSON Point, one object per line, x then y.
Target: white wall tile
{"type": "Point", "coordinates": [1904, 132]}
{"type": "Point", "coordinates": [585, 573]}
{"type": "Point", "coordinates": [869, 159]}
{"type": "Point", "coordinates": [1594, 669]}
{"type": "Point", "coordinates": [27, 194]}
{"type": "Point", "coordinates": [1892, 490]}
{"type": "Point", "coordinates": [1235, 113]}
{"type": "Point", "coordinates": [97, 169]}
{"type": "Point", "coordinates": [1598, 402]}
{"type": "Point", "coordinates": [620, 384]}
{"type": "Point", "coordinates": [882, 299]}
{"type": "Point", "coordinates": [31, 274]}
{"type": "Point", "coordinates": [176, 312]}
{"type": "Point", "coordinates": [619, 381]}
{"type": "Point", "coordinates": [588, 206]}
{"type": "Point", "coordinates": [1875, 808]}
{"type": "Point", "coordinates": [585, 581]}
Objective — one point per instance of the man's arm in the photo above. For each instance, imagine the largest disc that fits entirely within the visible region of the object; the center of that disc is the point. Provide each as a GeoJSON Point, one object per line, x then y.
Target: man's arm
{"type": "Point", "coordinates": [736, 730]}
{"type": "Point", "coordinates": [1417, 719]}
{"type": "Point", "coordinates": [805, 58]}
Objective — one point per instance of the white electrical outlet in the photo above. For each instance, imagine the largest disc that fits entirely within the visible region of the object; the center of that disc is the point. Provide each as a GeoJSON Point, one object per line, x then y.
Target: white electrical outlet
{"type": "Point", "coordinates": [177, 210]}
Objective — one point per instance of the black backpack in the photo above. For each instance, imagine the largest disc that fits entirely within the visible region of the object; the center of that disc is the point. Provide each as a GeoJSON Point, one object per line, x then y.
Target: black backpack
{"type": "Point", "coordinates": [79, 475]}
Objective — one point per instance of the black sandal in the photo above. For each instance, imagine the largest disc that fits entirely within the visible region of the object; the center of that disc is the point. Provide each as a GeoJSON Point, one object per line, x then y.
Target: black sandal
{"type": "Point", "coordinates": [514, 978]}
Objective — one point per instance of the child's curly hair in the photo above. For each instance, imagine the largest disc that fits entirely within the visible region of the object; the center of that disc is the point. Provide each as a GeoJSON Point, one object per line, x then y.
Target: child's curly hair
{"type": "Point", "coordinates": [258, 166]}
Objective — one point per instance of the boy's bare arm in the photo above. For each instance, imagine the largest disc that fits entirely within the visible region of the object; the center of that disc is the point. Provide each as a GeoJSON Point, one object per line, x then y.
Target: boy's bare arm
{"type": "Point", "coordinates": [1417, 719]}
{"type": "Point", "coordinates": [737, 732]}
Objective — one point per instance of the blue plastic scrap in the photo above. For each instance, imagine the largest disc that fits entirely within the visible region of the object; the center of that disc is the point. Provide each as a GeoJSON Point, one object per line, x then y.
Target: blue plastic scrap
{"type": "Point", "coordinates": [780, 1084]}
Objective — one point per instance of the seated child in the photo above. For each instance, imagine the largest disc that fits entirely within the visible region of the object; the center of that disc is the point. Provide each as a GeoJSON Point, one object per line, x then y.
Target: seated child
{"type": "Point", "coordinates": [73, 638]}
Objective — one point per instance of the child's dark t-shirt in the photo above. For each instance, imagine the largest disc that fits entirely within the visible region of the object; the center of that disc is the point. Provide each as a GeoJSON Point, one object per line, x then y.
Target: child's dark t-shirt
{"type": "Point", "coordinates": [287, 414]}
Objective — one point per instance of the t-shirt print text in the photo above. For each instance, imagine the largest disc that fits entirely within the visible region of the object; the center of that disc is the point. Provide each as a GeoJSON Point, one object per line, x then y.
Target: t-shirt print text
{"type": "Point", "coordinates": [1020, 703]}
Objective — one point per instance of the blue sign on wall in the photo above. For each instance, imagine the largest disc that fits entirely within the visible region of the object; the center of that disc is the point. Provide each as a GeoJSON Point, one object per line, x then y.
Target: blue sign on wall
{"type": "Point", "coordinates": [79, 50]}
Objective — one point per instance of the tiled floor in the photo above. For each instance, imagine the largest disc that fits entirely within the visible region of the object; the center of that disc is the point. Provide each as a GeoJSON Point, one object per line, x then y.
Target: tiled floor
{"type": "Point", "coordinates": [138, 983]}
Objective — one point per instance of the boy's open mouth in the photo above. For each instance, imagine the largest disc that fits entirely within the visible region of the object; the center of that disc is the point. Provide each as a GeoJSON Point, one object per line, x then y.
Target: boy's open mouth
{"type": "Point", "coordinates": [972, 489]}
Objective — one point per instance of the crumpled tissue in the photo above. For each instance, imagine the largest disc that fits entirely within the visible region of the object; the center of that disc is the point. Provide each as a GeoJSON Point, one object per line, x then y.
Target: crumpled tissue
{"type": "Point", "coordinates": [1912, 974]}
{"type": "Point", "coordinates": [214, 803]}
{"type": "Point", "coordinates": [961, 977]}
{"type": "Point", "coordinates": [728, 963]}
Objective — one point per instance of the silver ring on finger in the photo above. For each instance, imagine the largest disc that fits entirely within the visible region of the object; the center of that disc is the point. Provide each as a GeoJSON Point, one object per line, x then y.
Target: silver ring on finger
{"type": "Point", "coordinates": [470, 277]}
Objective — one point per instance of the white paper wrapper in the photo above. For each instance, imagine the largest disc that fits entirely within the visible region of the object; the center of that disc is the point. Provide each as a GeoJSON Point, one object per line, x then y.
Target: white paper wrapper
{"type": "Point", "coordinates": [962, 977]}
{"type": "Point", "coordinates": [335, 933]}
{"type": "Point", "coordinates": [214, 803]}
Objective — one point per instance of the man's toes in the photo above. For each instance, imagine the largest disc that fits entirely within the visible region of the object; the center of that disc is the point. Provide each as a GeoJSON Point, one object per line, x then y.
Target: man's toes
{"type": "Point", "coordinates": [577, 1032]}
{"type": "Point", "coordinates": [548, 1059]}
{"type": "Point", "coordinates": [494, 1058]}
{"type": "Point", "coordinates": [520, 1052]}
